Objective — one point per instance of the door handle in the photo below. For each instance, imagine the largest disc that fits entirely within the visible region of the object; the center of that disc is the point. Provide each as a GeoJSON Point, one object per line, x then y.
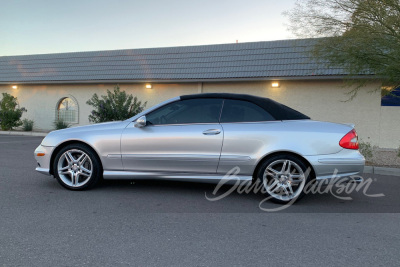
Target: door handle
{"type": "Point", "coordinates": [212, 132]}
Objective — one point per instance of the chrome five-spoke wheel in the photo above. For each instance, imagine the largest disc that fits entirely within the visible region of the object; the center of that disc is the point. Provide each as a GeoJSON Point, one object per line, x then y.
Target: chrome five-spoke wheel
{"type": "Point", "coordinates": [284, 178]}
{"type": "Point", "coordinates": [77, 167]}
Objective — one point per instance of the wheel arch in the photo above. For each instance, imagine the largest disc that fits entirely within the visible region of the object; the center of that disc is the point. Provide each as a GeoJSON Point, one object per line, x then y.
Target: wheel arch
{"type": "Point", "coordinates": [275, 153]}
{"type": "Point", "coordinates": [66, 143]}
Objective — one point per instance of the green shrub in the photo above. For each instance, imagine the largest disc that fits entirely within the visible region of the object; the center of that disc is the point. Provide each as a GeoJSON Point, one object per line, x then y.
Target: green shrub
{"type": "Point", "coordinates": [60, 124]}
{"type": "Point", "coordinates": [366, 150]}
{"type": "Point", "coordinates": [10, 113]}
{"type": "Point", "coordinates": [398, 152]}
{"type": "Point", "coordinates": [27, 125]}
{"type": "Point", "coordinates": [115, 106]}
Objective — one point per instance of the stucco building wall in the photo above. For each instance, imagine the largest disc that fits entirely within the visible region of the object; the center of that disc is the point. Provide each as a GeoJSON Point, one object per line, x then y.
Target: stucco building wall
{"type": "Point", "coordinates": [322, 100]}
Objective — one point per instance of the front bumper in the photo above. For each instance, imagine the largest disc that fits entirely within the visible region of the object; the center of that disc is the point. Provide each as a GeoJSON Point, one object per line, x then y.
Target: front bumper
{"type": "Point", "coordinates": [345, 163]}
{"type": "Point", "coordinates": [43, 161]}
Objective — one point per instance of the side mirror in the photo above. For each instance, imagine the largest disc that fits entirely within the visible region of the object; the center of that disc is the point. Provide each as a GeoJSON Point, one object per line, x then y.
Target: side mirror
{"type": "Point", "coordinates": [141, 122]}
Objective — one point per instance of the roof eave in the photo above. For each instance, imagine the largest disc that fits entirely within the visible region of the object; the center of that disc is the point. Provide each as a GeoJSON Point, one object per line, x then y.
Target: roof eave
{"type": "Point", "coordinates": [289, 78]}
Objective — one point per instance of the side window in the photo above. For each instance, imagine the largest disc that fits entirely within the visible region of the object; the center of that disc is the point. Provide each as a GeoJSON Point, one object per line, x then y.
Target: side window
{"type": "Point", "coordinates": [243, 111]}
{"type": "Point", "coordinates": [202, 110]}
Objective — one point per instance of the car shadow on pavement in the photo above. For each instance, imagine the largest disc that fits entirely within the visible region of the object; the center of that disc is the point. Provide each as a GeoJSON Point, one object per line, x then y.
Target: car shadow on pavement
{"type": "Point", "coordinates": [175, 196]}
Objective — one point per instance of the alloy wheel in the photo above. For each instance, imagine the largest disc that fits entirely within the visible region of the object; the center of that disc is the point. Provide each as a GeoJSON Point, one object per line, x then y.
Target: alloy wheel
{"type": "Point", "coordinates": [284, 179]}
{"type": "Point", "coordinates": [75, 168]}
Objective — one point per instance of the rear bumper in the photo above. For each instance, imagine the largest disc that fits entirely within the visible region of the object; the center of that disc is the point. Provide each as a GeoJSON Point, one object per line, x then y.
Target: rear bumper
{"type": "Point", "coordinates": [343, 164]}
{"type": "Point", "coordinates": [43, 161]}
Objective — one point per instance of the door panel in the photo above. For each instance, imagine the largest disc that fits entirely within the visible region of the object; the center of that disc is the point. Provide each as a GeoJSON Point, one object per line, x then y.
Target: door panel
{"type": "Point", "coordinates": [191, 148]}
{"type": "Point", "coordinates": [243, 143]}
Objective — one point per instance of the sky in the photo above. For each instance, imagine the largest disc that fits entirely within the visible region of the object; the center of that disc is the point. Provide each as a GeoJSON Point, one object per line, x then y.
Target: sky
{"type": "Point", "coordinates": [56, 26]}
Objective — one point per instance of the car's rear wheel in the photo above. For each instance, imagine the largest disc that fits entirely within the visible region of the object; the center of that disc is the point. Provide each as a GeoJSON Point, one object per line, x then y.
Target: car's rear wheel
{"type": "Point", "coordinates": [77, 167]}
{"type": "Point", "coordinates": [284, 177]}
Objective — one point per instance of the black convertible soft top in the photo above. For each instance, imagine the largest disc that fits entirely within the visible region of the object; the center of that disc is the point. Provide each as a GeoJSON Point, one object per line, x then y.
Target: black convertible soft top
{"type": "Point", "coordinates": [277, 110]}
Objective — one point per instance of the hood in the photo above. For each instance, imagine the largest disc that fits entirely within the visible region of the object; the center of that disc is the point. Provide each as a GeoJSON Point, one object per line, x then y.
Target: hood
{"type": "Point", "coordinates": [55, 137]}
{"type": "Point", "coordinates": [91, 127]}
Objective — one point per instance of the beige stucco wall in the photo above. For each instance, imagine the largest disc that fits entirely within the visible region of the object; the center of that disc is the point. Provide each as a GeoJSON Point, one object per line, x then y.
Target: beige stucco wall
{"type": "Point", "coordinates": [389, 127]}
{"type": "Point", "coordinates": [321, 100]}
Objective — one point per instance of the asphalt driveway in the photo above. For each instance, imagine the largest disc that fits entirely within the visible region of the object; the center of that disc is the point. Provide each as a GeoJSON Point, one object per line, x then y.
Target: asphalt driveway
{"type": "Point", "coordinates": [163, 223]}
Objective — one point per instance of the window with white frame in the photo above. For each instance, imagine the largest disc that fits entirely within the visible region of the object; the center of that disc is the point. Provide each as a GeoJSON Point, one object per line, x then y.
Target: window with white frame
{"type": "Point", "coordinates": [67, 110]}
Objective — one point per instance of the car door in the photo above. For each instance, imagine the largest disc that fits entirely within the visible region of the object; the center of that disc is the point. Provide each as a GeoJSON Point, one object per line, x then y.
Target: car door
{"type": "Point", "coordinates": [182, 136]}
{"type": "Point", "coordinates": [245, 126]}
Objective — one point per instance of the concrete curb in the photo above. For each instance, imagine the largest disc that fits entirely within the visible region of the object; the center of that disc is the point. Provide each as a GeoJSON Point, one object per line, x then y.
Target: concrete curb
{"type": "Point", "coordinates": [23, 133]}
{"type": "Point", "coordinates": [382, 170]}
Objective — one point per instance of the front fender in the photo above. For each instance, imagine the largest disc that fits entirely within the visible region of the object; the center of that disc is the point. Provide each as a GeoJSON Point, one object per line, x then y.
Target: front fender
{"type": "Point", "coordinates": [104, 139]}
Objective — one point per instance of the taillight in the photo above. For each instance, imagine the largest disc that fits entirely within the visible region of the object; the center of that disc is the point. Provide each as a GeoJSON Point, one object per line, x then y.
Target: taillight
{"type": "Point", "coordinates": [350, 140]}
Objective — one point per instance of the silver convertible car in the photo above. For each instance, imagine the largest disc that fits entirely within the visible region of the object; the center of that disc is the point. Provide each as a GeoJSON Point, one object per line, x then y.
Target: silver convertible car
{"type": "Point", "coordinates": [202, 138]}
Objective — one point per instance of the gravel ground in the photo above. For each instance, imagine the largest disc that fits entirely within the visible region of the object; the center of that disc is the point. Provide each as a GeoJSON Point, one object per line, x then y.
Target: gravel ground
{"type": "Point", "coordinates": [384, 158]}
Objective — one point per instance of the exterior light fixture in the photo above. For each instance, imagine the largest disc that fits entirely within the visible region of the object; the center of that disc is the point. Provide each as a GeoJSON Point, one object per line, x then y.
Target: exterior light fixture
{"type": "Point", "coordinates": [149, 86]}
{"type": "Point", "coordinates": [275, 85]}
{"type": "Point", "coordinates": [14, 87]}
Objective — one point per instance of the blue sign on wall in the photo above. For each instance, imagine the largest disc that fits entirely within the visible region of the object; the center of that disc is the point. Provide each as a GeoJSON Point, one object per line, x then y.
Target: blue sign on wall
{"type": "Point", "coordinates": [392, 99]}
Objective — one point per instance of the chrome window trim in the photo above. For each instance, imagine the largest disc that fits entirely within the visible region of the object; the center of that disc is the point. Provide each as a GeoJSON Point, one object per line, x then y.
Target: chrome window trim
{"type": "Point", "coordinates": [249, 122]}
{"type": "Point", "coordinates": [183, 124]}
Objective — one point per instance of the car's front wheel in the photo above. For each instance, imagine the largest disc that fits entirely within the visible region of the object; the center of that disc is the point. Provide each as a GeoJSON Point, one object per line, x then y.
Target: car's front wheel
{"type": "Point", "coordinates": [284, 177]}
{"type": "Point", "coordinates": [77, 167]}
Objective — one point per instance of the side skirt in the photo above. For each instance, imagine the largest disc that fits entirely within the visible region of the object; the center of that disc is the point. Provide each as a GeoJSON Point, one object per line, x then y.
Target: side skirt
{"type": "Point", "coordinates": [186, 177]}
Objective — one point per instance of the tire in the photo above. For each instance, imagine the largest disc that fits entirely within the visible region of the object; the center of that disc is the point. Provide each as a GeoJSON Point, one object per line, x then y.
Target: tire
{"type": "Point", "coordinates": [77, 167]}
{"type": "Point", "coordinates": [284, 177]}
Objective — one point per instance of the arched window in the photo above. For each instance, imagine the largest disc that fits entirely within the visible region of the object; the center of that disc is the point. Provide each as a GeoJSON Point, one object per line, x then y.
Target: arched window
{"type": "Point", "coordinates": [67, 110]}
